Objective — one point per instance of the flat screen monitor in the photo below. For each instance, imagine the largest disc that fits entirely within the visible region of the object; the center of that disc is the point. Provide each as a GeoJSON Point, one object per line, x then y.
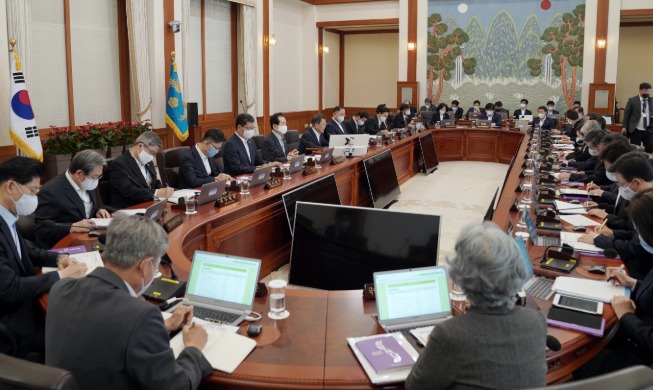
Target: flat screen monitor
{"type": "Point", "coordinates": [489, 214]}
{"type": "Point", "coordinates": [505, 180]}
{"type": "Point", "coordinates": [323, 190]}
{"type": "Point", "coordinates": [429, 154]}
{"type": "Point", "coordinates": [340, 247]}
{"type": "Point", "coordinates": [382, 179]}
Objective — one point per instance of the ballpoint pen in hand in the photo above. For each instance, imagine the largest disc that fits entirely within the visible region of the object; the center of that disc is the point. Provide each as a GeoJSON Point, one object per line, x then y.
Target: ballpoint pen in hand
{"type": "Point", "coordinates": [621, 268]}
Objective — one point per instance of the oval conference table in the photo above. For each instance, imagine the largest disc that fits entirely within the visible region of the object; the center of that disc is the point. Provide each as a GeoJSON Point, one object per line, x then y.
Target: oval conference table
{"type": "Point", "coordinates": [308, 350]}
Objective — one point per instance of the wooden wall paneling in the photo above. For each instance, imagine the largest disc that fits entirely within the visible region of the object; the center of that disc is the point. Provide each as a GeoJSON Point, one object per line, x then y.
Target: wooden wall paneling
{"type": "Point", "coordinates": [481, 147]}
{"type": "Point", "coordinates": [450, 147]}
{"type": "Point", "coordinates": [168, 48]}
{"type": "Point", "coordinates": [266, 67]}
{"type": "Point", "coordinates": [358, 22]}
{"type": "Point", "coordinates": [346, 180]}
{"type": "Point", "coordinates": [69, 64]}
{"type": "Point", "coordinates": [298, 120]}
{"type": "Point", "coordinates": [7, 152]}
{"type": "Point", "coordinates": [411, 75]}
{"type": "Point", "coordinates": [403, 162]}
{"type": "Point", "coordinates": [320, 67]}
{"type": "Point", "coordinates": [594, 87]}
{"type": "Point", "coordinates": [377, 31]}
{"type": "Point", "coordinates": [341, 87]}
{"type": "Point", "coordinates": [508, 145]}
{"type": "Point", "coordinates": [603, 9]}
{"type": "Point", "coordinates": [123, 61]}
{"type": "Point", "coordinates": [636, 13]}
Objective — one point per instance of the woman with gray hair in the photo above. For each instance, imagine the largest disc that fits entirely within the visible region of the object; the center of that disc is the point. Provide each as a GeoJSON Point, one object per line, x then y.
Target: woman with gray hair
{"type": "Point", "coordinates": [496, 345]}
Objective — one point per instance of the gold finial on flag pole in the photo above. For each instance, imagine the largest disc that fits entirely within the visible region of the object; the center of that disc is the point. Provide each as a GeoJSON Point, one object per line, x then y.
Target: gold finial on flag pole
{"type": "Point", "coordinates": [172, 55]}
{"type": "Point", "coordinates": [12, 43]}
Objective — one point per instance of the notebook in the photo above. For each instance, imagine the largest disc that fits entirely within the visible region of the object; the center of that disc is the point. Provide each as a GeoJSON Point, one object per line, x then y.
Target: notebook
{"type": "Point", "coordinates": [221, 287]}
{"type": "Point", "coordinates": [594, 290]}
{"type": "Point", "coordinates": [393, 375]}
{"type": "Point", "coordinates": [326, 156]}
{"type": "Point", "coordinates": [260, 176]}
{"type": "Point", "coordinates": [411, 298]}
{"type": "Point", "coordinates": [526, 118]}
{"type": "Point", "coordinates": [571, 239]}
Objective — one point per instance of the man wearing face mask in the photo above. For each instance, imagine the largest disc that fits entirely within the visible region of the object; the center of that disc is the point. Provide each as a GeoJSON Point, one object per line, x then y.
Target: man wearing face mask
{"type": "Point", "coordinates": [68, 201]}
{"type": "Point", "coordinates": [198, 167]}
{"type": "Point", "coordinates": [356, 124]}
{"type": "Point", "coordinates": [543, 120]}
{"type": "Point", "coordinates": [634, 174]}
{"type": "Point", "coordinates": [523, 110]}
{"type": "Point", "coordinates": [456, 112]}
{"type": "Point", "coordinates": [133, 178]}
{"type": "Point", "coordinates": [21, 315]}
{"type": "Point", "coordinates": [475, 109]}
{"type": "Point", "coordinates": [336, 124]}
{"type": "Point", "coordinates": [313, 137]}
{"type": "Point", "coordinates": [403, 118]}
{"type": "Point", "coordinates": [428, 105]}
{"type": "Point", "coordinates": [239, 152]}
{"type": "Point", "coordinates": [275, 147]}
{"type": "Point", "coordinates": [124, 342]}
{"type": "Point", "coordinates": [597, 174]}
{"type": "Point", "coordinates": [379, 122]}
{"type": "Point", "coordinates": [638, 117]}
{"type": "Point", "coordinates": [551, 107]}
{"type": "Point", "coordinates": [490, 115]}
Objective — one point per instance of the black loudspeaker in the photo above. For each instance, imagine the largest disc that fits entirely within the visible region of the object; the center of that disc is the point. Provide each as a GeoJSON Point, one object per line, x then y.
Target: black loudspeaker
{"type": "Point", "coordinates": [192, 114]}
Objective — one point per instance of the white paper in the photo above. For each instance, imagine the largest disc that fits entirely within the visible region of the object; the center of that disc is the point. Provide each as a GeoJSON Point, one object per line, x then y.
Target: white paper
{"type": "Point", "coordinates": [571, 239]}
{"type": "Point", "coordinates": [572, 191]}
{"type": "Point", "coordinates": [422, 334]}
{"type": "Point", "coordinates": [181, 194]}
{"type": "Point", "coordinates": [596, 290]}
{"type": "Point", "coordinates": [569, 208]}
{"type": "Point", "coordinates": [91, 259]}
{"type": "Point", "coordinates": [578, 220]}
{"type": "Point", "coordinates": [101, 222]}
{"type": "Point", "coordinates": [131, 211]}
{"type": "Point", "coordinates": [563, 146]}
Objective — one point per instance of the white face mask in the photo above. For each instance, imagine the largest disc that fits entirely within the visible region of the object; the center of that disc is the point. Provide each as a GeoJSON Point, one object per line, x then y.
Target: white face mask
{"type": "Point", "coordinates": [542, 116]}
{"type": "Point", "coordinates": [383, 118]}
{"type": "Point", "coordinates": [626, 192]}
{"type": "Point", "coordinates": [27, 204]}
{"type": "Point", "coordinates": [454, 107]}
{"type": "Point", "coordinates": [145, 157]}
{"type": "Point", "coordinates": [442, 112]}
{"type": "Point", "coordinates": [550, 108]}
{"type": "Point", "coordinates": [406, 112]}
{"type": "Point", "coordinates": [523, 105]}
{"type": "Point", "coordinates": [489, 113]}
{"type": "Point", "coordinates": [341, 118]}
{"type": "Point", "coordinates": [611, 176]}
{"type": "Point", "coordinates": [248, 133]}
{"type": "Point", "coordinates": [593, 152]}
{"type": "Point", "coordinates": [360, 122]}
{"type": "Point", "coordinates": [283, 129]}
{"type": "Point", "coordinates": [146, 286]}
{"type": "Point", "coordinates": [89, 184]}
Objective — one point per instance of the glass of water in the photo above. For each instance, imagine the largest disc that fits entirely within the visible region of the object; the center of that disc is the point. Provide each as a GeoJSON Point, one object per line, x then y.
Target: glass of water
{"type": "Point", "coordinates": [190, 205]}
{"type": "Point", "coordinates": [286, 171]}
{"type": "Point", "coordinates": [379, 140]}
{"type": "Point", "coordinates": [277, 289]}
{"type": "Point", "coordinates": [244, 186]}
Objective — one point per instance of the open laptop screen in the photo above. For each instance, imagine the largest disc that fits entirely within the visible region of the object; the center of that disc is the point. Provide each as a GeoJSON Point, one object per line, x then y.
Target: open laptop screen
{"type": "Point", "coordinates": [524, 253]}
{"type": "Point", "coordinates": [411, 292]}
{"type": "Point", "coordinates": [223, 278]}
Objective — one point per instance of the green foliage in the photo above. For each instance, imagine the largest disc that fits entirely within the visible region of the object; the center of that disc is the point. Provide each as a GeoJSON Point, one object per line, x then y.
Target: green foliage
{"type": "Point", "coordinates": [443, 48]}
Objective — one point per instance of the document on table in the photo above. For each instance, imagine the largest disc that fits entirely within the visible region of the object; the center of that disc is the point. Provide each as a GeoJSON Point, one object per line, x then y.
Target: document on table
{"type": "Point", "coordinates": [130, 211]}
{"type": "Point", "coordinates": [578, 220]}
{"type": "Point", "coordinates": [563, 146]}
{"type": "Point", "coordinates": [102, 223]}
{"type": "Point", "coordinates": [91, 259]}
{"type": "Point", "coordinates": [571, 239]}
{"type": "Point", "coordinates": [569, 208]}
{"type": "Point", "coordinates": [181, 194]}
{"type": "Point", "coordinates": [572, 191]}
{"type": "Point", "coordinates": [595, 290]}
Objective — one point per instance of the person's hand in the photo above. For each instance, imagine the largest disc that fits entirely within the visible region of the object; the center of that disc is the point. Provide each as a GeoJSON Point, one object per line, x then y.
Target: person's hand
{"type": "Point", "coordinates": [183, 314]}
{"type": "Point", "coordinates": [623, 130]}
{"type": "Point", "coordinates": [565, 138]}
{"type": "Point", "coordinates": [102, 213]}
{"type": "Point", "coordinates": [622, 305]}
{"type": "Point", "coordinates": [63, 261]}
{"type": "Point", "coordinates": [292, 153]}
{"type": "Point", "coordinates": [223, 176]}
{"type": "Point", "coordinates": [276, 163]}
{"type": "Point", "coordinates": [598, 213]}
{"type": "Point", "coordinates": [591, 186]}
{"type": "Point", "coordinates": [195, 336]}
{"type": "Point", "coordinates": [606, 231]}
{"type": "Point", "coordinates": [165, 192]}
{"type": "Point", "coordinates": [587, 238]}
{"type": "Point", "coordinates": [564, 176]}
{"type": "Point", "coordinates": [73, 270]}
{"type": "Point", "coordinates": [555, 131]}
{"type": "Point", "coordinates": [619, 277]}
{"type": "Point", "coordinates": [597, 192]}
{"type": "Point", "coordinates": [83, 226]}
{"type": "Point", "coordinates": [590, 204]}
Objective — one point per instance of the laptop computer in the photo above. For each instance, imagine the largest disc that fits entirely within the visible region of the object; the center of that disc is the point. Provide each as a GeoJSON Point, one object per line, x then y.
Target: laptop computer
{"type": "Point", "coordinates": [211, 192]}
{"type": "Point", "coordinates": [483, 123]}
{"type": "Point", "coordinates": [473, 115]}
{"type": "Point", "coordinates": [156, 210]}
{"type": "Point", "coordinates": [526, 118]}
{"type": "Point", "coordinates": [296, 163]}
{"type": "Point", "coordinates": [504, 115]}
{"type": "Point", "coordinates": [326, 156]}
{"type": "Point", "coordinates": [448, 123]}
{"type": "Point", "coordinates": [349, 145]}
{"type": "Point", "coordinates": [411, 298]}
{"type": "Point", "coordinates": [221, 287]}
{"type": "Point", "coordinates": [535, 286]}
{"type": "Point", "coordinates": [522, 125]}
{"type": "Point", "coordinates": [537, 239]}
{"type": "Point", "coordinates": [260, 176]}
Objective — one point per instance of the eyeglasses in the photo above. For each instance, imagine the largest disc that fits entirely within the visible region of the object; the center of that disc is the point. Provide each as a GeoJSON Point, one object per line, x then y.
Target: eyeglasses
{"type": "Point", "coordinates": [32, 191]}
{"type": "Point", "coordinates": [212, 144]}
{"type": "Point", "coordinates": [150, 151]}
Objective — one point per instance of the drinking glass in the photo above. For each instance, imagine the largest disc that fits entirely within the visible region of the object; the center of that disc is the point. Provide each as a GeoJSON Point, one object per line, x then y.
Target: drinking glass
{"type": "Point", "coordinates": [244, 186]}
{"type": "Point", "coordinates": [277, 289]}
{"type": "Point", "coordinates": [286, 171]}
{"type": "Point", "coordinates": [190, 205]}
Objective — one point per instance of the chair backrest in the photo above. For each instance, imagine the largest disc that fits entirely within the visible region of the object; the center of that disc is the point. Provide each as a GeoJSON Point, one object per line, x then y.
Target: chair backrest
{"type": "Point", "coordinates": [104, 188]}
{"type": "Point", "coordinates": [22, 374]}
{"type": "Point", "coordinates": [258, 141]}
{"type": "Point", "coordinates": [426, 116]}
{"type": "Point", "coordinates": [219, 161]}
{"type": "Point", "coordinates": [168, 161]}
{"type": "Point", "coordinates": [25, 226]}
{"type": "Point", "coordinates": [292, 139]}
{"type": "Point", "coordinates": [631, 378]}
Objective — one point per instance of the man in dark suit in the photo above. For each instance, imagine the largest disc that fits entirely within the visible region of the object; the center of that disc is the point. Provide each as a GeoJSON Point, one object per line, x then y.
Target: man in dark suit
{"type": "Point", "coordinates": [335, 125]}
{"type": "Point", "coordinates": [313, 137]}
{"type": "Point", "coordinates": [239, 152]}
{"type": "Point", "coordinates": [356, 124]}
{"type": "Point", "coordinates": [544, 121]}
{"type": "Point", "coordinates": [428, 105]}
{"type": "Point", "coordinates": [379, 122]}
{"type": "Point", "coordinates": [133, 178]}
{"type": "Point", "coordinates": [551, 107]}
{"type": "Point", "coordinates": [490, 115]}
{"type": "Point", "coordinates": [21, 315]}
{"type": "Point", "coordinates": [455, 112]}
{"type": "Point", "coordinates": [275, 147]}
{"type": "Point", "coordinates": [403, 118]}
{"type": "Point", "coordinates": [637, 118]}
{"type": "Point", "coordinates": [124, 342]}
{"type": "Point", "coordinates": [68, 201]}
{"type": "Point", "coordinates": [413, 109]}
{"type": "Point", "coordinates": [574, 124]}
{"type": "Point", "coordinates": [499, 109]}
{"type": "Point", "coordinates": [476, 108]}
{"type": "Point", "coordinates": [198, 167]}
{"type": "Point", "coordinates": [523, 110]}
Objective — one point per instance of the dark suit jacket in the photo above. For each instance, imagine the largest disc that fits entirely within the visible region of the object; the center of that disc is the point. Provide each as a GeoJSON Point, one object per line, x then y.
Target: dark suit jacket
{"type": "Point", "coordinates": [121, 343]}
{"type": "Point", "coordinates": [401, 121]}
{"type": "Point", "coordinates": [431, 108]}
{"type": "Point", "coordinates": [272, 149]}
{"type": "Point", "coordinates": [235, 157]}
{"type": "Point", "coordinates": [554, 111]}
{"type": "Point", "coordinates": [496, 118]}
{"type": "Point", "coordinates": [309, 140]}
{"type": "Point", "coordinates": [436, 117]}
{"type": "Point", "coordinates": [192, 173]}
{"type": "Point", "coordinates": [372, 125]}
{"type": "Point", "coordinates": [519, 112]}
{"type": "Point", "coordinates": [458, 114]}
{"type": "Point", "coordinates": [633, 113]}
{"type": "Point", "coordinates": [351, 127]}
{"type": "Point", "coordinates": [20, 289]}
{"type": "Point", "coordinates": [333, 128]}
{"type": "Point", "coordinates": [570, 131]}
{"type": "Point", "coordinates": [638, 261]}
{"type": "Point", "coordinates": [547, 124]}
{"type": "Point", "coordinates": [124, 173]}
{"type": "Point", "coordinates": [60, 203]}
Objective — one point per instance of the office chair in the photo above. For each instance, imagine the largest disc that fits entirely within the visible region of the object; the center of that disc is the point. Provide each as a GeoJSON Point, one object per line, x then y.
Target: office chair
{"type": "Point", "coordinates": [103, 190]}
{"type": "Point", "coordinates": [26, 227]}
{"type": "Point", "coordinates": [169, 161]}
{"type": "Point", "coordinates": [292, 139]}
{"type": "Point", "coordinates": [631, 378]}
{"type": "Point", "coordinates": [219, 161]}
{"type": "Point", "coordinates": [21, 374]}
{"type": "Point", "coordinates": [426, 116]}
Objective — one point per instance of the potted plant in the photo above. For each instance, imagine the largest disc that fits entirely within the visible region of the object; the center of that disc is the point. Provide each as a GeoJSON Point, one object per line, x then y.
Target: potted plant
{"type": "Point", "coordinates": [93, 136]}
{"type": "Point", "coordinates": [114, 138]}
{"type": "Point", "coordinates": [131, 131]}
{"type": "Point", "coordinates": [59, 148]}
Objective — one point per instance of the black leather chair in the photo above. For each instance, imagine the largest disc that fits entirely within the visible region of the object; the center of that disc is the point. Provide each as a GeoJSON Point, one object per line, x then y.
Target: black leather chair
{"type": "Point", "coordinates": [103, 190]}
{"type": "Point", "coordinates": [168, 161]}
{"type": "Point", "coordinates": [426, 116]}
{"type": "Point", "coordinates": [21, 374]}
{"type": "Point", "coordinates": [631, 378]}
{"type": "Point", "coordinates": [26, 227]}
{"type": "Point", "coordinates": [219, 161]}
{"type": "Point", "coordinates": [292, 139]}
{"type": "Point", "coordinates": [258, 141]}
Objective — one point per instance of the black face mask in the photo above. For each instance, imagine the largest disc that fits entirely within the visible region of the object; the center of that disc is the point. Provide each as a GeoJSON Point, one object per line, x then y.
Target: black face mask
{"type": "Point", "coordinates": [645, 95]}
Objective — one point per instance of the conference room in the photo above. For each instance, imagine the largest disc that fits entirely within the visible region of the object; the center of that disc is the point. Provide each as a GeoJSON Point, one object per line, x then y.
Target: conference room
{"type": "Point", "coordinates": [401, 172]}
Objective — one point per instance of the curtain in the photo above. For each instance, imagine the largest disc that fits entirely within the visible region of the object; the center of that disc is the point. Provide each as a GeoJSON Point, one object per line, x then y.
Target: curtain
{"type": "Point", "coordinates": [185, 49]}
{"type": "Point", "coordinates": [248, 36]}
{"type": "Point", "coordinates": [139, 61]}
{"type": "Point", "coordinates": [19, 17]}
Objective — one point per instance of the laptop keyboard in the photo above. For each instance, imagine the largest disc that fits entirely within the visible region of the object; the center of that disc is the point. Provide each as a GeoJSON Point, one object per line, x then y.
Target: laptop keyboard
{"type": "Point", "coordinates": [220, 317]}
{"type": "Point", "coordinates": [540, 288]}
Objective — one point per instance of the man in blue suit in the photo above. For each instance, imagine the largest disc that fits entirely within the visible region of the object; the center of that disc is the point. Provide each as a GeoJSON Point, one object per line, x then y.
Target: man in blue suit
{"type": "Point", "coordinates": [546, 122]}
{"type": "Point", "coordinates": [275, 147]}
{"type": "Point", "coordinates": [239, 152]}
{"type": "Point", "coordinates": [313, 137]}
{"type": "Point", "coordinates": [197, 167]}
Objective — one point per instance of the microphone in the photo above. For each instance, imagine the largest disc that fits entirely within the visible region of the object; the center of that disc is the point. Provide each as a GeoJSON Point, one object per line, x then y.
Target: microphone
{"type": "Point", "coordinates": [552, 343]}
{"type": "Point", "coordinates": [134, 181]}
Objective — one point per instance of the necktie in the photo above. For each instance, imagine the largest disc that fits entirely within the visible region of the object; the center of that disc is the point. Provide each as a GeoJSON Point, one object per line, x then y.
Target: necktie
{"type": "Point", "coordinates": [14, 232]}
{"type": "Point", "coordinates": [283, 145]}
{"type": "Point", "coordinates": [644, 114]}
{"type": "Point", "coordinates": [382, 126]}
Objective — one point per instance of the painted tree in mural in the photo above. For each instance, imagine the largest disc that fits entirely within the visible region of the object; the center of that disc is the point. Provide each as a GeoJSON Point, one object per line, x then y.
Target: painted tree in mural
{"type": "Point", "coordinates": [443, 49]}
{"type": "Point", "coordinates": [565, 44]}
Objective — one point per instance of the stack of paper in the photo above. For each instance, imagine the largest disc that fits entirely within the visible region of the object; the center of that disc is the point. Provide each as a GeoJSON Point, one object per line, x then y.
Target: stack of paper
{"type": "Point", "coordinates": [569, 208]}
{"type": "Point", "coordinates": [595, 290]}
{"type": "Point", "coordinates": [181, 194]}
{"type": "Point", "coordinates": [578, 220]}
{"type": "Point", "coordinates": [91, 259]}
{"type": "Point", "coordinates": [571, 239]}
{"type": "Point", "coordinates": [572, 191]}
{"type": "Point", "coordinates": [130, 211]}
{"type": "Point", "coordinates": [102, 223]}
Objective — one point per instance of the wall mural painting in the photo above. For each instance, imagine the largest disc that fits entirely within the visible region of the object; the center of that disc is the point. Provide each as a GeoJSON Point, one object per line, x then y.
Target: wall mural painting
{"type": "Point", "coordinates": [505, 50]}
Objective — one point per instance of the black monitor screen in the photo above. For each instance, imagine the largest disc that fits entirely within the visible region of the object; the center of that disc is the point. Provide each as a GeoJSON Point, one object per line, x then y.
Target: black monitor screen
{"type": "Point", "coordinates": [505, 180]}
{"type": "Point", "coordinates": [429, 155]}
{"type": "Point", "coordinates": [340, 247]}
{"type": "Point", "coordinates": [324, 190]}
{"type": "Point", "coordinates": [382, 178]}
{"type": "Point", "coordinates": [490, 210]}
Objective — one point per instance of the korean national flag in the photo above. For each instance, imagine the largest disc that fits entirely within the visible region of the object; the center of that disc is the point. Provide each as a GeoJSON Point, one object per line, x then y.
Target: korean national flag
{"type": "Point", "coordinates": [22, 125]}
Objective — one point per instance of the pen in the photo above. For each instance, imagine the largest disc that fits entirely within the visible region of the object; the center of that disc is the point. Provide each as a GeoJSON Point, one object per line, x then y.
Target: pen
{"type": "Point", "coordinates": [602, 225]}
{"type": "Point", "coordinates": [621, 268]}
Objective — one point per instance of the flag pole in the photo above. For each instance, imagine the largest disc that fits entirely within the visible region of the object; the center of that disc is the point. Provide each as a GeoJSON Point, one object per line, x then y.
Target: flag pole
{"type": "Point", "coordinates": [172, 59]}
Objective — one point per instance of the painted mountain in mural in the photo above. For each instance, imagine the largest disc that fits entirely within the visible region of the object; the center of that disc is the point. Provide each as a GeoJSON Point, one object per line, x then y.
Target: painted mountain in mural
{"type": "Point", "coordinates": [501, 51]}
{"type": "Point", "coordinates": [474, 47]}
{"type": "Point", "coordinates": [529, 45]}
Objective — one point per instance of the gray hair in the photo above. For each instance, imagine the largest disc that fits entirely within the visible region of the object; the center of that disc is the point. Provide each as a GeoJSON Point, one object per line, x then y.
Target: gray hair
{"type": "Point", "coordinates": [86, 161]}
{"type": "Point", "coordinates": [589, 126]}
{"type": "Point", "coordinates": [149, 138]}
{"type": "Point", "coordinates": [131, 238]}
{"type": "Point", "coordinates": [488, 266]}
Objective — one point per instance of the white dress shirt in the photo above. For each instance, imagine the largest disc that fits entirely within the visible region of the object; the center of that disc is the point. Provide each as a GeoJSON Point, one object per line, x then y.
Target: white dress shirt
{"type": "Point", "coordinates": [84, 196]}
{"type": "Point", "coordinates": [244, 141]}
{"type": "Point", "coordinates": [144, 171]}
{"type": "Point", "coordinates": [205, 160]}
